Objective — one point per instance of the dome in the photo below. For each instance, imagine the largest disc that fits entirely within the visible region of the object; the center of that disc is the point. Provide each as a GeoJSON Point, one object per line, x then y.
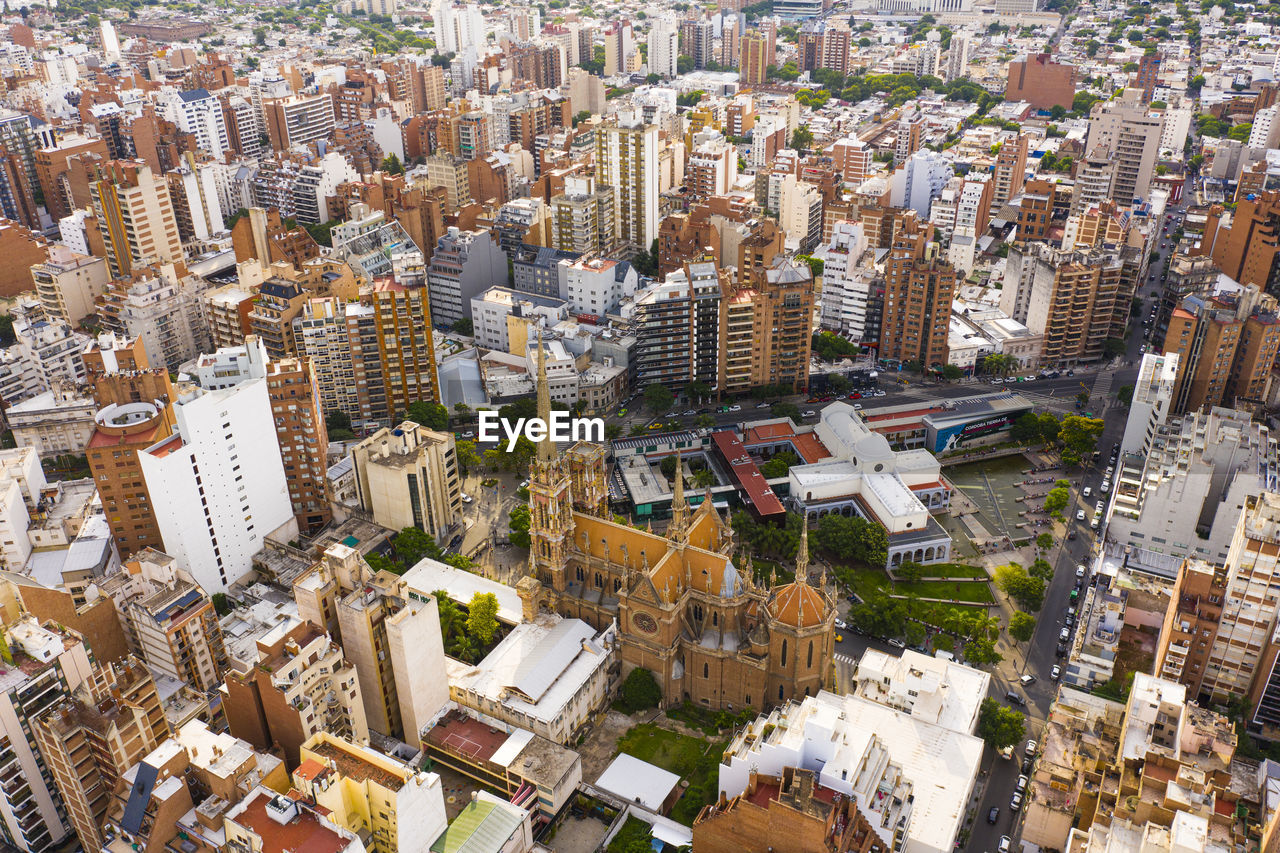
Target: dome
{"type": "Point", "coordinates": [873, 447]}
{"type": "Point", "coordinates": [798, 605]}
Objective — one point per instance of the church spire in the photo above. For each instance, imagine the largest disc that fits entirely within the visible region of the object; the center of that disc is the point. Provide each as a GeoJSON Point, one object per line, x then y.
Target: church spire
{"type": "Point", "coordinates": [546, 447]}
{"type": "Point", "coordinates": [802, 556]}
{"type": "Point", "coordinates": [679, 509]}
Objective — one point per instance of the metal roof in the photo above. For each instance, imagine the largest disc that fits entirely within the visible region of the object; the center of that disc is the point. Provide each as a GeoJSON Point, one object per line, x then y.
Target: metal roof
{"type": "Point", "coordinates": [483, 827]}
{"type": "Point", "coordinates": [550, 657]}
{"type": "Point", "coordinates": [136, 808]}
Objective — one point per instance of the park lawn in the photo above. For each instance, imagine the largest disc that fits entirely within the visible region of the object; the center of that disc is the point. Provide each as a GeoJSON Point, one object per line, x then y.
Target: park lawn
{"type": "Point", "coordinates": [695, 760]}
{"type": "Point", "coordinates": [932, 612]}
{"type": "Point", "coordinates": [867, 580]}
{"type": "Point", "coordinates": [954, 570]}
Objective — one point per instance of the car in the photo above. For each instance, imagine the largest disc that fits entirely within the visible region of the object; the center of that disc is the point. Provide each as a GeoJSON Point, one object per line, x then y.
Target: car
{"type": "Point", "coordinates": [1110, 470]}
{"type": "Point", "coordinates": [896, 643]}
{"type": "Point", "coordinates": [997, 381]}
{"type": "Point", "coordinates": [1055, 673]}
{"type": "Point", "coordinates": [1005, 845]}
{"type": "Point", "coordinates": [763, 405]}
{"type": "Point", "coordinates": [1079, 515]}
{"type": "Point", "coordinates": [839, 638]}
{"type": "Point", "coordinates": [841, 624]}
{"type": "Point", "coordinates": [1064, 635]}
{"type": "Point", "coordinates": [993, 814]}
{"type": "Point", "coordinates": [673, 414]}
{"type": "Point", "coordinates": [1061, 651]}
{"type": "Point", "coordinates": [853, 599]}
{"type": "Point", "coordinates": [1099, 507]}
{"type": "Point", "coordinates": [1094, 523]}
{"type": "Point", "coordinates": [1071, 534]}
{"type": "Point", "coordinates": [1087, 491]}
{"type": "Point", "coordinates": [469, 434]}
{"type": "Point", "coordinates": [466, 498]}
{"type": "Point", "coordinates": [524, 484]}
{"type": "Point", "coordinates": [655, 426]}
{"type": "Point", "coordinates": [1027, 763]}
{"type": "Point", "coordinates": [1081, 570]}
{"type": "Point", "coordinates": [810, 413]}
{"type": "Point", "coordinates": [735, 408]}
{"type": "Point", "coordinates": [690, 413]}
{"type": "Point", "coordinates": [881, 393]}
{"type": "Point", "coordinates": [1014, 698]}
{"type": "Point", "coordinates": [1027, 678]}
{"type": "Point", "coordinates": [1106, 487]}
{"type": "Point", "coordinates": [1021, 784]}
{"type": "Point", "coordinates": [1015, 802]}
{"type": "Point", "coordinates": [1071, 611]}
{"type": "Point", "coordinates": [857, 407]}
{"type": "Point", "coordinates": [1030, 748]}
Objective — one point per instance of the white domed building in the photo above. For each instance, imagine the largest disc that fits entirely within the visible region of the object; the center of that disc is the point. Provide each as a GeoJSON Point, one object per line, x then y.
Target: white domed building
{"type": "Point", "coordinates": [866, 477]}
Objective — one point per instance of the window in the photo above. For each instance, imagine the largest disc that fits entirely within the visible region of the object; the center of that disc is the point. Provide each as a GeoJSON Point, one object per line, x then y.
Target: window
{"type": "Point", "coordinates": [706, 670]}
{"type": "Point", "coordinates": [809, 663]}
{"type": "Point", "coordinates": [784, 652]}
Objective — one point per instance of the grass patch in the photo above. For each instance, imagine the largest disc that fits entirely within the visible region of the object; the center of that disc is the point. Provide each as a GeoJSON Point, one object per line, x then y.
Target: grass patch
{"type": "Point", "coordinates": [633, 833]}
{"type": "Point", "coordinates": [935, 612]}
{"type": "Point", "coordinates": [694, 760]}
{"type": "Point", "coordinates": [710, 722]}
{"type": "Point", "coordinates": [867, 580]}
{"type": "Point", "coordinates": [954, 570]}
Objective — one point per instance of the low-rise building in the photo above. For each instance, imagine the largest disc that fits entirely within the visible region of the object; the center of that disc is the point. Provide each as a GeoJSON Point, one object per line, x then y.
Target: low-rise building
{"type": "Point", "coordinates": [938, 691]}
{"type": "Point", "coordinates": [273, 822]}
{"type": "Point", "coordinates": [54, 422]}
{"type": "Point", "coordinates": [408, 477]}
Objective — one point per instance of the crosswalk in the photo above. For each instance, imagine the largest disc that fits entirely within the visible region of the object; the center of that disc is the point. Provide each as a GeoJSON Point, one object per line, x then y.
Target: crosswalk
{"type": "Point", "coordinates": [846, 659]}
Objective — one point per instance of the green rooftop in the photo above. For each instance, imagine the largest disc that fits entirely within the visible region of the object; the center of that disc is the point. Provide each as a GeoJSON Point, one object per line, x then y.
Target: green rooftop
{"type": "Point", "coordinates": [482, 827]}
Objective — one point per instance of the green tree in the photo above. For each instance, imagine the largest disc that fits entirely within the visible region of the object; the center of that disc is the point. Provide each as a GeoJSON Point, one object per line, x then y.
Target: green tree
{"type": "Point", "coordinates": [999, 364]}
{"type": "Point", "coordinates": [914, 633]}
{"type": "Point", "coordinates": [802, 138]}
{"type": "Point", "coordinates": [428, 414]}
{"type": "Point", "coordinates": [518, 524]}
{"type": "Point", "coordinates": [684, 64]}
{"type": "Point", "coordinates": [981, 650]}
{"type": "Point", "coordinates": [391, 164]}
{"type": "Point", "coordinates": [1079, 437]}
{"type": "Point", "coordinates": [1000, 726]}
{"type": "Point", "coordinates": [951, 373]}
{"type": "Point", "coordinates": [612, 431]}
{"type": "Point", "coordinates": [1050, 426]}
{"type": "Point", "coordinates": [467, 455]}
{"type": "Point", "coordinates": [778, 465]}
{"type": "Point", "coordinates": [581, 116]}
{"type": "Point", "coordinates": [465, 326]}
{"type": "Point", "coordinates": [668, 466]}
{"type": "Point", "coordinates": [909, 573]}
{"type": "Point", "coordinates": [1025, 428]}
{"type": "Point", "coordinates": [337, 419]}
{"type": "Point", "coordinates": [1044, 541]}
{"type": "Point", "coordinates": [658, 397]}
{"type": "Point", "coordinates": [1022, 626]}
{"type": "Point", "coordinates": [1125, 395]}
{"type": "Point", "coordinates": [482, 617]}
{"type": "Point", "coordinates": [640, 691]}
{"type": "Point", "coordinates": [1041, 568]}
{"type": "Point", "coordinates": [221, 605]}
{"type": "Point", "coordinates": [1056, 501]}
{"type": "Point", "coordinates": [1026, 590]}
{"type": "Point", "coordinates": [413, 545]}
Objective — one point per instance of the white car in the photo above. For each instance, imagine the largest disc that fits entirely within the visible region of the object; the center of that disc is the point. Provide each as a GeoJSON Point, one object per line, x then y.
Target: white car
{"type": "Point", "coordinates": [735, 408]}
{"type": "Point", "coordinates": [1015, 802]}
{"type": "Point", "coordinates": [1080, 570]}
{"type": "Point", "coordinates": [1079, 515]}
{"type": "Point", "coordinates": [1106, 487]}
{"type": "Point", "coordinates": [466, 498]}
{"type": "Point", "coordinates": [1005, 845]}
{"type": "Point", "coordinates": [1021, 784]}
{"type": "Point", "coordinates": [1055, 673]}
{"type": "Point", "coordinates": [1099, 507]}
{"type": "Point", "coordinates": [1087, 491]}
{"type": "Point", "coordinates": [763, 405]}
{"type": "Point", "coordinates": [1094, 523]}
{"type": "Point", "coordinates": [810, 414]}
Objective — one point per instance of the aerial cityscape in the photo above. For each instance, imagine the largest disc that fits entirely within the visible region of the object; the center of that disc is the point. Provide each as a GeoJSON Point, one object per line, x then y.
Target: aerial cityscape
{"type": "Point", "coordinates": [796, 426]}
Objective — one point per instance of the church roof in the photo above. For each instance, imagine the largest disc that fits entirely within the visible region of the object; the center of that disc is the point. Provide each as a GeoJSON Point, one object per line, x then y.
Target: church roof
{"type": "Point", "coordinates": [799, 605]}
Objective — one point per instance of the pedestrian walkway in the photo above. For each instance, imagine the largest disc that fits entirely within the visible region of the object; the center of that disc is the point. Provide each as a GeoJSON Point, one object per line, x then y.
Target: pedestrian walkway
{"type": "Point", "coordinates": [843, 658]}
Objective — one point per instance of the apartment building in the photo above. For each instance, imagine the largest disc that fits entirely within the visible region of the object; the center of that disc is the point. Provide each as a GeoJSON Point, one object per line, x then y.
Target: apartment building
{"type": "Point", "coordinates": [46, 664]}
{"type": "Point", "coordinates": [1244, 243]}
{"type": "Point", "coordinates": [393, 639]}
{"type": "Point", "coordinates": [1189, 633]}
{"type": "Point", "coordinates": [298, 119]}
{"type": "Point", "coordinates": [277, 304]}
{"type": "Point", "coordinates": [1010, 172]}
{"type": "Point", "coordinates": [1041, 82]}
{"type": "Point", "coordinates": [1226, 345]}
{"type": "Point", "coordinates": [227, 310]}
{"type": "Point", "coordinates": [713, 166]}
{"type": "Point", "coordinates": [90, 738]}
{"type": "Point", "coordinates": [303, 438]}
{"type": "Point", "coordinates": [55, 422]}
{"type": "Point", "coordinates": [1184, 496]}
{"type": "Point", "coordinates": [919, 288]}
{"type": "Point", "coordinates": [678, 329]}
{"type": "Point", "coordinates": [627, 162]}
{"type": "Point", "coordinates": [68, 283]}
{"type": "Point", "coordinates": [161, 307]}
{"type": "Point", "coordinates": [403, 341]}
{"type": "Point", "coordinates": [171, 621]}
{"type": "Point", "coordinates": [463, 265]}
{"type": "Point", "coordinates": [757, 56]}
{"type": "Point", "coordinates": [267, 820]}
{"type": "Point", "coordinates": [1076, 300]}
{"type": "Point", "coordinates": [135, 217]}
{"type": "Point", "coordinates": [134, 412]}
{"type": "Point", "coordinates": [340, 339]}
{"type": "Point", "coordinates": [1130, 132]}
{"type": "Point", "coordinates": [365, 791]}
{"type": "Point", "coordinates": [408, 477]}
{"type": "Point", "coordinates": [223, 481]}
{"type": "Point", "coordinates": [582, 217]}
{"type": "Point", "coordinates": [1152, 400]}
{"type": "Point", "coordinates": [298, 683]}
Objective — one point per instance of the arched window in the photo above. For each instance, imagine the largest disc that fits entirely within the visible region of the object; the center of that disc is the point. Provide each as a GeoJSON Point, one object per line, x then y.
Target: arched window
{"type": "Point", "coordinates": [706, 670]}
{"type": "Point", "coordinates": [779, 692]}
{"type": "Point", "coordinates": [810, 661]}
{"type": "Point", "coordinates": [784, 651]}
{"type": "Point", "coordinates": [715, 618]}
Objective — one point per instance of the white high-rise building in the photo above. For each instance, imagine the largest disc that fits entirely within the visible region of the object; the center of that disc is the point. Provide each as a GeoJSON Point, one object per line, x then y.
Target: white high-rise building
{"type": "Point", "coordinates": [664, 47]}
{"type": "Point", "coordinates": [957, 64]}
{"type": "Point", "coordinates": [197, 187]}
{"type": "Point", "coordinates": [199, 113]}
{"type": "Point", "coordinates": [110, 41]}
{"type": "Point", "coordinates": [458, 28]}
{"type": "Point", "coordinates": [1265, 128]}
{"type": "Point", "coordinates": [1152, 394]}
{"type": "Point", "coordinates": [223, 482]}
{"type": "Point", "coordinates": [846, 284]}
{"type": "Point", "coordinates": [920, 180]}
{"type": "Point", "coordinates": [627, 163]}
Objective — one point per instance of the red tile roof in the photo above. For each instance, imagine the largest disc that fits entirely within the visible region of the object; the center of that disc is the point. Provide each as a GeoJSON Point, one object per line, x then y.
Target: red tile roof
{"type": "Point", "coordinates": [303, 832]}
{"type": "Point", "coordinates": [747, 474]}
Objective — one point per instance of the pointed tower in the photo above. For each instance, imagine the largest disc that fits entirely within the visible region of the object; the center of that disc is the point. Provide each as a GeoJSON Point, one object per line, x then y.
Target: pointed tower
{"type": "Point", "coordinates": [802, 557]}
{"type": "Point", "coordinates": [551, 521]}
{"type": "Point", "coordinates": [679, 509]}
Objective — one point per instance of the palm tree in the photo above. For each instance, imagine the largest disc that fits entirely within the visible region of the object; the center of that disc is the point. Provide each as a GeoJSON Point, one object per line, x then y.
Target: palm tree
{"type": "Point", "coordinates": [999, 364]}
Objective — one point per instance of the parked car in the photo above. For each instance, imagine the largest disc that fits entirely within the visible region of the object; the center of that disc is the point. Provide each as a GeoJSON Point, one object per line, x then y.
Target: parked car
{"type": "Point", "coordinates": [1087, 491]}
{"type": "Point", "coordinates": [1064, 635]}
{"type": "Point", "coordinates": [1055, 673]}
{"type": "Point", "coordinates": [1015, 802]}
{"type": "Point", "coordinates": [1021, 784]}
{"type": "Point", "coordinates": [810, 414]}
{"type": "Point", "coordinates": [1031, 748]}
{"type": "Point", "coordinates": [841, 624]}
{"type": "Point", "coordinates": [896, 643]}
{"type": "Point", "coordinates": [1081, 570]}
{"type": "Point", "coordinates": [1079, 515]}
{"type": "Point", "coordinates": [1005, 845]}
{"type": "Point", "coordinates": [1014, 698]}
{"type": "Point", "coordinates": [1028, 678]}
{"type": "Point", "coordinates": [735, 408]}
